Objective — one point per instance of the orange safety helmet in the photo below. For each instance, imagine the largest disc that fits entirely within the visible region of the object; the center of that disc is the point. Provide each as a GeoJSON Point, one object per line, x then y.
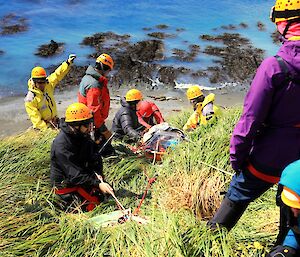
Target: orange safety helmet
{"type": "Point", "coordinates": [38, 73]}
{"type": "Point", "coordinates": [145, 109]}
{"type": "Point", "coordinates": [106, 60]}
{"type": "Point", "coordinates": [285, 10]}
{"type": "Point", "coordinates": [78, 113]}
{"type": "Point", "coordinates": [133, 95]}
{"type": "Point", "coordinates": [193, 92]}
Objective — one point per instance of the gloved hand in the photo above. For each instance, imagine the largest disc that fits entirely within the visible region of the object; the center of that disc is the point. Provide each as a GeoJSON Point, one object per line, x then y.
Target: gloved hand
{"type": "Point", "coordinates": [105, 188]}
{"type": "Point", "coordinates": [71, 58]}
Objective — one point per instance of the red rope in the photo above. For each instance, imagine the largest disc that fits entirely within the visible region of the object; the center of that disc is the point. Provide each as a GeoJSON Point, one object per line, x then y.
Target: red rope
{"type": "Point", "coordinates": [149, 184]}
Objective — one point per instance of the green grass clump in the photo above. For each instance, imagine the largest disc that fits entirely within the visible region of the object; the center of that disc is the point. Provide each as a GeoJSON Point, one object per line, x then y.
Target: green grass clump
{"type": "Point", "coordinates": [184, 197]}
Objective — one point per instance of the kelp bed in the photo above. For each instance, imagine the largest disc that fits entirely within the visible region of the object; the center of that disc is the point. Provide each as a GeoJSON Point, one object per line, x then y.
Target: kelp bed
{"type": "Point", "coordinates": [186, 193]}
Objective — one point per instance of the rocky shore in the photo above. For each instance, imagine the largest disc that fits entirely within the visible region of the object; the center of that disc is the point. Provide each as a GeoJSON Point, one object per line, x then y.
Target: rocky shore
{"type": "Point", "coordinates": [142, 64]}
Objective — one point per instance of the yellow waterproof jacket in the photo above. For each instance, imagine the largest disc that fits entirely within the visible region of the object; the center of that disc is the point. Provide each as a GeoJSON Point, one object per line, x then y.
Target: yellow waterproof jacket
{"type": "Point", "coordinates": [205, 112]}
{"type": "Point", "coordinates": [41, 106]}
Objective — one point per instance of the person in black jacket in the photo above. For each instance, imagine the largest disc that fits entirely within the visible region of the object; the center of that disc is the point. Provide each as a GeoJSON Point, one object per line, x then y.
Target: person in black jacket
{"type": "Point", "coordinates": [76, 166]}
{"type": "Point", "coordinates": [125, 123]}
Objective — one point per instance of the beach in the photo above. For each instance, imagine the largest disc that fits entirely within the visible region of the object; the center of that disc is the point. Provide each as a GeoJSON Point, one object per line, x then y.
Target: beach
{"type": "Point", "coordinates": [14, 119]}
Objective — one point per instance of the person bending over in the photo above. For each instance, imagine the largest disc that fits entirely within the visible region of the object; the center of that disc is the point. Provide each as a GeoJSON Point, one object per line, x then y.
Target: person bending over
{"type": "Point", "coordinates": [205, 110]}
{"type": "Point", "coordinates": [149, 114]}
{"type": "Point", "coordinates": [125, 123]}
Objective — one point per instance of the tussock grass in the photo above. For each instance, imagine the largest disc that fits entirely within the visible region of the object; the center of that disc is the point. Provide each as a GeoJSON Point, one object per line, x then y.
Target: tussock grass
{"type": "Point", "coordinates": [186, 194]}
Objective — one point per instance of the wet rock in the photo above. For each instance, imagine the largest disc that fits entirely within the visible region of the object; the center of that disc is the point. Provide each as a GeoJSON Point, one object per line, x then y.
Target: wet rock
{"type": "Point", "coordinates": [135, 64]}
{"type": "Point", "coordinates": [12, 24]}
{"type": "Point", "coordinates": [98, 39]}
{"type": "Point", "coordinates": [199, 74]}
{"type": "Point", "coordinates": [227, 38]}
{"type": "Point", "coordinates": [276, 37]}
{"type": "Point", "coordinates": [147, 51]}
{"type": "Point", "coordinates": [1, 52]}
{"type": "Point", "coordinates": [229, 27]}
{"type": "Point", "coordinates": [238, 58]}
{"type": "Point", "coordinates": [72, 79]}
{"type": "Point", "coordinates": [214, 50]}
{"type": "Point", "coordinates": [232, 26]}
{"type": "Point", "coordinates": [261, 26]}
{"type": "Point", "coordinates": [50, 49]}
{"type": "Point", "coordinates": [180, 29]}
{"type": "Point", "coordinates": [147, 29]}
{"type": "Point", "coordinates": [186, 56]}
{"type": "Point", "coordinates": [216, 75]}
{"type": "Point", "coordinates": [161, 35]}
{"type": "Point", "coordinates": [243, 25]}
{"type": "Point", "coordinates": [168, 74]}
{"type": "Point", "coordinates": [162, 26]}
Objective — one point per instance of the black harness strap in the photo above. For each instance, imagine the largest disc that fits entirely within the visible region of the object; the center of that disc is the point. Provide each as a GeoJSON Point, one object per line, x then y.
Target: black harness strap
{"type": "Point", "coordinates": [289, 76]}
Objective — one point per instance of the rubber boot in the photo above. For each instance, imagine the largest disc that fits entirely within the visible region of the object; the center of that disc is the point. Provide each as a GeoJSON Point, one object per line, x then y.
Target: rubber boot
{"type": "Point", "coordinates": [227, 215]}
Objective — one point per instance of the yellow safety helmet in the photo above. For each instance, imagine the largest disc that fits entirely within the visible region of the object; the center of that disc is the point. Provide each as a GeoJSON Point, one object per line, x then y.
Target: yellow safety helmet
{"type": "Point", "coordinates": [78, 112]}
{"type": "Point", "coordinates": [133, 95]}
{"type": "Point", "coordinates": [193, 92]}
{"type": "Point", "coordinates": [106, 60]}
{"type": "Point", "coordinates": [38, 73]}
{"type": "Point", "coordinates": [285, 10]}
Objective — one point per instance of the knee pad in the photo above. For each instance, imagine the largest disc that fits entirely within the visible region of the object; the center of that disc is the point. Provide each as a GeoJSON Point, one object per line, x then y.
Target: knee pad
{"type": "Point", "coordinates": [282, 251]}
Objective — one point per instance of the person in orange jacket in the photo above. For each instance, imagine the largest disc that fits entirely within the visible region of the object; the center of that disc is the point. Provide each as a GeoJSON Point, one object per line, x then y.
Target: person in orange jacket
{"type": "Point", "coordinates": [149, 114]}
{"type": "Point", "coordinates": [94, 93]}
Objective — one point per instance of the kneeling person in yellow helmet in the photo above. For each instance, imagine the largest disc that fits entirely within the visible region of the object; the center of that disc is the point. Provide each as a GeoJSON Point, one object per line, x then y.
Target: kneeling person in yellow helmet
{"type": "Point", "coordinates": [76, 165]}
{"type": "Point", "coordinates": [39, 102]}
{"type": "Point", "coordinates": [125, 122]}
{"type": "Point", "coordinates": [204, 109]}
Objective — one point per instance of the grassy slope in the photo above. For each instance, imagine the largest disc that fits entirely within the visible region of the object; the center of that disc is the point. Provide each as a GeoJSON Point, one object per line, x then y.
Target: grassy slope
{"type": "Point", "coordinates": [183, 198]}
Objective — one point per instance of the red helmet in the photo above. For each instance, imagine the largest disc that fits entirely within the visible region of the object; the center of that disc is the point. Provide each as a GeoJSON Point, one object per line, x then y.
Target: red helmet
{"type": "Point", "coordinates": [145, 109]}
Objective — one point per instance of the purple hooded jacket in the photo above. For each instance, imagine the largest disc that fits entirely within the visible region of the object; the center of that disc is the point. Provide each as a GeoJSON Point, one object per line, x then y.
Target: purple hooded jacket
{"type": "Point", "coordinates": [266, 134]}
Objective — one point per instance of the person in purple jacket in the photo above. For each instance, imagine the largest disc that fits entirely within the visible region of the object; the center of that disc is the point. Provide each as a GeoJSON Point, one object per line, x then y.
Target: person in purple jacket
{"type": "Point", "coordinates": [267, 136]}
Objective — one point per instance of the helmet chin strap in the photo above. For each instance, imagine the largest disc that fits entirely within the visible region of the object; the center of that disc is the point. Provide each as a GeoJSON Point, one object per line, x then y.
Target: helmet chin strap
{"type": "Point", "coordinates": [287, 28]}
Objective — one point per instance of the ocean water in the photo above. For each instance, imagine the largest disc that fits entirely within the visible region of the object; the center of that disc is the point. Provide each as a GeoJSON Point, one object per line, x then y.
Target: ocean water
{"type": "Point", "coordinates": [69, 21]}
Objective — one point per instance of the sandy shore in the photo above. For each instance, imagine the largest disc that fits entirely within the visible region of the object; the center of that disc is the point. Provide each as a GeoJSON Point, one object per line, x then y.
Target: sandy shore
{"type": "Point", "coordinates": [14, 119]}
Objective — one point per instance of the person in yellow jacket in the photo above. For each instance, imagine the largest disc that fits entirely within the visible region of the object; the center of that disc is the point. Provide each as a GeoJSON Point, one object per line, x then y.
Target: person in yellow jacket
{"type": "Point", "coordinates": [204, 109]}
{"type": "Point", "coordinates": [39, 102]}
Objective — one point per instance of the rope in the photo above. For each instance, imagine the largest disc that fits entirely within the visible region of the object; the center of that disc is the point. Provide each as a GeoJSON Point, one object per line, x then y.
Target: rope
{"type": "Point", "coordinates": [149, 184]}
{"type": "Point", "coordinates": [218, 169]}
